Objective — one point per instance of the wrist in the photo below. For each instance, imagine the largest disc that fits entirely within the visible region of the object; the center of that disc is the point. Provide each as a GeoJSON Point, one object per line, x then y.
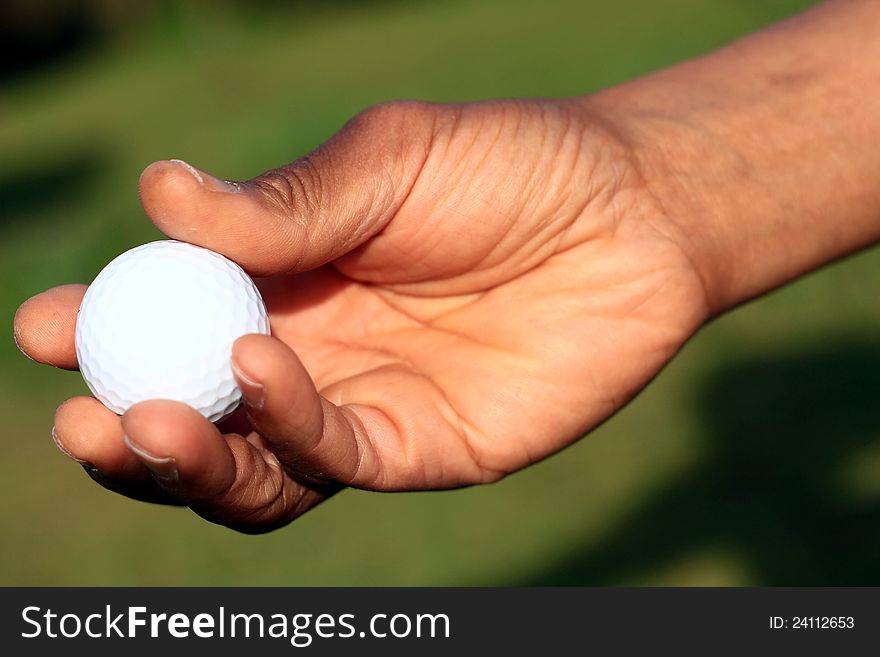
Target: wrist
{"type": "Point", "coordinates": [678, 165]}
{"type": "Point", "coordinates": [762, 156]}
{"type": "Point", "coordinates": [694, 177]}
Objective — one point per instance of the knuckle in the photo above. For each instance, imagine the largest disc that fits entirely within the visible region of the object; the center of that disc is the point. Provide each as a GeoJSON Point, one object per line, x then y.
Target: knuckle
{"type": "Point", "coordinates": [401, 127]}
{"type": "Point", "coordinates": [257, 499]}
{"type": "Point", "coordinates": [396, 115]}
{"type": "Point", "coordinates": [296, 187]}
{"type": "Point", "coordinates": [394, 128]}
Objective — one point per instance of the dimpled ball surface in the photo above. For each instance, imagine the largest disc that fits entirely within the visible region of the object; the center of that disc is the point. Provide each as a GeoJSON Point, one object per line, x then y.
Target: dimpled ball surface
{"type": "Point", "coordinates": [159, 322]}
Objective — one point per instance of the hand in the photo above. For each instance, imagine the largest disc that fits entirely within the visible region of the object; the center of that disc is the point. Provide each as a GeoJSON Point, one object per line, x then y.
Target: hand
{"type": "Point", "coordinates": [455, 292]}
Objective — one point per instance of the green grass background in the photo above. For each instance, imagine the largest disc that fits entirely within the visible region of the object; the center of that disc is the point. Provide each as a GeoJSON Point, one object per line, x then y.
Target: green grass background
{"type": "Point", "coordinates": [753, 459]}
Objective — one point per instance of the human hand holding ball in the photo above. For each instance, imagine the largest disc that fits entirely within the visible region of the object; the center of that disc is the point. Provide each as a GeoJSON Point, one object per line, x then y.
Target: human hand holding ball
{"type": "Point", "coordinates": [424, 334]}
{"type": "Point", "coordinates": [457, 291]}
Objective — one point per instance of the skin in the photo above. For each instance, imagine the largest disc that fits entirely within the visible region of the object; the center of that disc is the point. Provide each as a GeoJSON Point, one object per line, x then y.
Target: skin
{"type": "Point", "coordinates": [457, 291]}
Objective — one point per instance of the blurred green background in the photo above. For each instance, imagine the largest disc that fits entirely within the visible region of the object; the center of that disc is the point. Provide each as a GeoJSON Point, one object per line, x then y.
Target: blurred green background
{"type": "Point", "coordinates": [753, 459]}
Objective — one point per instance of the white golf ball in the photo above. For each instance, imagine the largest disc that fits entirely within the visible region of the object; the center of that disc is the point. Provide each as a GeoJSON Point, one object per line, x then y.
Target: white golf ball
{"type": "Point", "coordinates": [159, 322]}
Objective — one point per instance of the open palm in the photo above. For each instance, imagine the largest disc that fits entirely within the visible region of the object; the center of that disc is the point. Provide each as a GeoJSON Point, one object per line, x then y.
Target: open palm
{"type": "Point", "coordinates": [455, 292]}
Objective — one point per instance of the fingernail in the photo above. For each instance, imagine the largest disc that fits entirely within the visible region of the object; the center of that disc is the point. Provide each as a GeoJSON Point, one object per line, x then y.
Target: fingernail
{"type": "Point", "coordinates": [253, 392]}
{"type": "Point", "coordinates": [66, 453]}
{"type": "Point", "coordinates": [163, 467]}
{"type": "Point", "coordinates": [208, 181]}
{"type": "Point", "coordinates": [17, 341]}
{"type": "Point", "coordinates": [270, 458]}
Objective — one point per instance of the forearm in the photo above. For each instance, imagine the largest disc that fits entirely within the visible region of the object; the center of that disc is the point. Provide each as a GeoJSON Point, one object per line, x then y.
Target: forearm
{"type": "Point", "coordinates": [765, 155]}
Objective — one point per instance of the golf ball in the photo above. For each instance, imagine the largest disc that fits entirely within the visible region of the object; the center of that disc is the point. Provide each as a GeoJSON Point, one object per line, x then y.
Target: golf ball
{"type": "Point", "coordinates": [159, 322]}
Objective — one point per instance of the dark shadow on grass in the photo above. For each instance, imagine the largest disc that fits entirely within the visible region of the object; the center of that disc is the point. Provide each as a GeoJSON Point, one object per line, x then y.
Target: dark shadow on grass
{"type": "Point", "coordinates": [35, 191]}
{"type": "Point", "coordinates": [779, 436]}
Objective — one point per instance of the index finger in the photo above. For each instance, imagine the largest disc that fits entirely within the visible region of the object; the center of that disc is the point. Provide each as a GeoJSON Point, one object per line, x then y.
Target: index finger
{"type": "Point", "coordinates": [45, 326]}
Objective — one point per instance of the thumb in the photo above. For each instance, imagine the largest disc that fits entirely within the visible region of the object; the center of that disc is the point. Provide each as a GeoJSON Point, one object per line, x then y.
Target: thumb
{"type": "Point", "coordinates": [304, 214]}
